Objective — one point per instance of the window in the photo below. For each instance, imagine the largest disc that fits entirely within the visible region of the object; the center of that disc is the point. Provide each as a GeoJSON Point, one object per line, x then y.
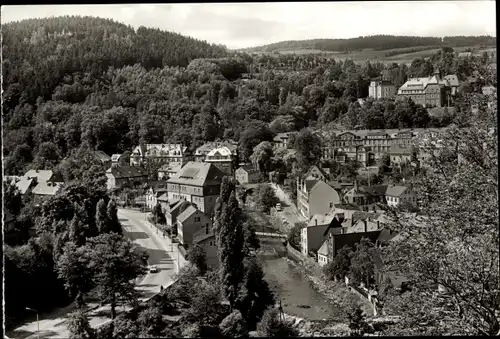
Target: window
{"type": "Point", "coordinates": [196, 219]}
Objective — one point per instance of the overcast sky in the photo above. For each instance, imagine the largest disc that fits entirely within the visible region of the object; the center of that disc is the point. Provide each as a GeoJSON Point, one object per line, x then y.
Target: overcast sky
{"type": "Point", "coordinates": [240, 25]}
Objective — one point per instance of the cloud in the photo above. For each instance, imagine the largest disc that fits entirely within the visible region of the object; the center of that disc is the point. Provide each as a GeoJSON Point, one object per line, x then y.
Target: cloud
{"type": "Point", "coordinates": [240, 25]}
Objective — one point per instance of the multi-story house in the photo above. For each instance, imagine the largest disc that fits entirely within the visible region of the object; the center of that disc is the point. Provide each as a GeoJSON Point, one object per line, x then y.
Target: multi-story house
{"type": "Point", "coordinates": [314, 195]}
{"type": "Point", "coordinates": [396, 195]}
{"type": "Point", "coordinates": [160, 154]}
{"type": "Point", "coordinates": [247, 174]}
{"type": "Point", "coordinates": [198, 183]}
{"type": "Point", "coordinates": [366, 196]}
{"type": "Point", "coordinates": [428, 92]}
{"type": "Point", "coordinates": [223, 154]}
{"type": "Point", "coordinates": [312, 236]}
{"type": "Point", "coordinates": [190, 221]}
{"type": "Point", "coordinates": [281, 140]}
{"type": "Point", "coordinates": [382, 88]}
{"type": "Point", "coordinates": [120, 175]}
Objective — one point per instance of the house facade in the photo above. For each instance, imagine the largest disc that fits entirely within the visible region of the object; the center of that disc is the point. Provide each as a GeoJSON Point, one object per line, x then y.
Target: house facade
{"type": "Point", "coordinates": [102, 157]}
{"type": "Point", "coordinates": [198, 183]}
{"type": "Point", "coordinates": [397, 195]}
{"type": "Point", "coordinates": [152, 195]}
{"type": "Point", "coordinates": [168, 170]}
{"type": "Point", "coordinates": [428, 92]}
{"type": "Point", "coordinates": [120, 175]}
{"type": "Point", "coordinates": [281, 140]}
{"type": "Point", "coordinates": [382, 89]}
{"type": "Point", "coordinates": [206, 240]}
{"type": "Point", "coordinates": [247, 174]}
{"type": "Point", "coordinates": [312, 236]}
{"type": "Point", "coordinates": [190, 221]}
{"type": "Point", "coordinates": [223, 154]}
{"type": "Point", "coordinates": [160, 154]}
{"type": "Point", "coordinates": [315, 197]}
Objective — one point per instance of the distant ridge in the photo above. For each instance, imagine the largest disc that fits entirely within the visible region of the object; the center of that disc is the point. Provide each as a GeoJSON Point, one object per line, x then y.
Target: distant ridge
{"type": "Point", "coordinates": [375, 42]}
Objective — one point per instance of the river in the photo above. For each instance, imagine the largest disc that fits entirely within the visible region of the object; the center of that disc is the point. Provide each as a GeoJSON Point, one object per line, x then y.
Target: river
{"type": "Point", "coordinates": [292, 287]}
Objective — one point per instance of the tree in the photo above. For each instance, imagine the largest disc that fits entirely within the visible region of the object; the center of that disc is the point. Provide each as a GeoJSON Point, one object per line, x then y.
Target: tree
{"type": "Point", "coordinates": [206, 305]}
{"type": "Point", "coordinates": [101, 217]}
{"type": "Point", "coordinates": [308, 146]}
{"type": "Point", "coordinates": [115, 266]}
{"type": "Point", "coordinates": [466, 264]}
{"type": "Point", "coordinates": [150, 322]}
{"type": "Point", "coordinates": [265, 198]}
{"type": "Point", "coordinates": [114, 223]}
{"type": "Point", "coordinates": [362, 266]}
{"type": "Point", "coordinates": [13, 200]}
{"type": "Point", "coordinates": [159, 215]}
{"type": "Point", "coordinates": [233, 325]}
{"type": "Point", "coordinates": [230, 242]}
{"type": "Point", "coordinates": [73, 267]}
{"type": "Point", "coordinates": [356, 319]}
{"type": "Point", "coordinates": [272, 326]}
{"type": "Point", "coordinates": [79, 326]}
{"type": "Point", "coordinates": [384, 165]}
{"type": "Point", "coordinates": [294, 234]}
{"type": "Point", "coordinates": [198, 257]}
{"type": "Point", "coordinates": [339, 267]}
{"type": "Point", "coordinates": [124, 327]}
{"type": "Point", "coordinates": [255, 295]}
{"type": "Point", "coordinates": [261, 157]}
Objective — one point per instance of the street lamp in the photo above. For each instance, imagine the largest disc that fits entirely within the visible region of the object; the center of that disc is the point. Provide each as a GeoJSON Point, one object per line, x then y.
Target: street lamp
{"type": "Point", "coordinates": [37, 322]}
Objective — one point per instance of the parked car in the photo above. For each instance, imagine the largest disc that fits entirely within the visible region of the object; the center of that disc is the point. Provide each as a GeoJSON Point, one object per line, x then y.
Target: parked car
{"type": "Point", "coordinates": [278, 207]}
{"type": "Point", "coordinates": [153, 269]}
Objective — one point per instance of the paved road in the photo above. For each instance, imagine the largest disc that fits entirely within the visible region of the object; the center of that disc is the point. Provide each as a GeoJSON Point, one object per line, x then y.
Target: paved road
{"type": "Point", "coordinates": [290, 211]}
{"type": "Point", "coordinates": [161, 253]}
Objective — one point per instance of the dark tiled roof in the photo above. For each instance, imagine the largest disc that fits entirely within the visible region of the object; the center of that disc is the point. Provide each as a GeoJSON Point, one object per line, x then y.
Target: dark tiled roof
{"type": "Point", "coordinates": [197, 174]}
{"type": "Point", "coordinates": [248, 168]}
{"type": "Point", "coordinates": [102, 156]}
{"type": "Point", "coordinates": [310, 184]}
{"type": "Point", "coordinates": [186, 214]}
{"type": "Point", "coordinates": [395, 191]}
{"type": "Point", "coordinates": [126, 171]}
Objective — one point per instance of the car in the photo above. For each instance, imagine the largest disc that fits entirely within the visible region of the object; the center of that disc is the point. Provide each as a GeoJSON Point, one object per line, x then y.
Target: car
{"type": "Point", "coordinates": [278, 207]}
{"type": "Point", "coordinates": [153, 269]}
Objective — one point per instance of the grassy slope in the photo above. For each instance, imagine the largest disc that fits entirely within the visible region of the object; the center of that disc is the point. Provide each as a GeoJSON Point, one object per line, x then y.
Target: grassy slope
{"type": "Point", "coordinates": [380, 55]}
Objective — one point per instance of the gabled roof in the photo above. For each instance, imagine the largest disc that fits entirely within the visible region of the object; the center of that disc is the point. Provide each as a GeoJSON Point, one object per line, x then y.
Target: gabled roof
{"type": "Point", "coordinates": [222, 151]}
{"type": "Point", "coordinates": [207, 147]}
{"type": "Point", "coordinates": [102, 156]}
{"type": "Point", "coordinates": [163, 197]}
{"type": "Point", "coordinates": [178, 204]}
{"type": "Point", "coordinates": [41, 175]}
{"type": "Point", "coordinates": [197, 174]}
{"type": "Point", "coordinates": [24, 184]}
{"type": "Point", "coordinates": [347, 207]}
{"type": "Point", "coordinates": [127, 171]}
{"type": "Point", "coordinates": [46, 188]}
{"type": "Point", "coordinates": [280, 136]}
{"type": "Point", "coordinates": [115, 157]}
{"type": "Point", "coordinates": [395, 191]}
{"type": "Point", "coordinates": [310, 184]}
{"type": "Point", "coordinates": [173, 167]}
{"type": "Point", "coordinates": [324, 249]}
{"type": "Point", "coordinates": [452, 80]}
{"type": "Point", "coordinates": [321, 219]}
{"type": "Point", "coordinates": [248, 168]}
{"type": "Point", "coordinates": [188, 212]}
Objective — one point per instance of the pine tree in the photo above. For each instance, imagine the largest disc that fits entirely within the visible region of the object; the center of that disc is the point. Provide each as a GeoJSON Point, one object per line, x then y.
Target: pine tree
{"type": "Point", "coordinates": [230, 241]}
{"type": "Point", "coordinates": [114, 223]}
{"type": "Point", "coordinates": [101, 217]}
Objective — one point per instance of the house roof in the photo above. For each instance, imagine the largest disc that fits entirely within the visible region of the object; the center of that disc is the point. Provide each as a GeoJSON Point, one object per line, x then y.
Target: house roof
{"type": "Point", "coordinates": [163, 197]}
{"type": "Point", "coordinates": [321, 219]}
{"type": "Point", "coordinates": [197, 174]}
{"type": "Point", "coordinates": [395, 191]}
{"type": "Point", "coordinates": [186, 214]}
{"type": "Point", "coordinates": [24, 184]}
{"type": "Point", "coordinates": [223, 151]}
{"type": "Point", "coordinates": [452, 79]}
{"type": "Point", "coordinates": [177, 204]}
{"type": "Point", "coordinates": [159, 150]}
{"type": "Point", "coordinates": [347, 207]}
{"type": "Point", "coordinates": [102, 156]}
{"type": "Point", "coordinates": [324, 249]}
{"type": "Point", "coordinates": [248, 168]}
{"type": "Point", "coordinates": [127, 171]}
{"type": "Point", "coordinates": [46, 188]}
{"type": "Point", "coordinates": [351, 239]}
{"type": "Point", "coordinates": [310, 184]}
{"type": "Point", "coordinates": [228, 143]}
{"type": "Point", "coordinates": [280, 136]}
{"type": "Point", "coordinates": [173, 167]}
{"type": "Point", "coordinates": [41, 175]}
{"type": "Point", "coordinates": [203, 237]}
{"type": "Point", "coordinates": [115, 157]}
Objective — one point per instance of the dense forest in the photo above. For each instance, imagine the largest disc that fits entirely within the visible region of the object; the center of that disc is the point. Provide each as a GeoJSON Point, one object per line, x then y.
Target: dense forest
{"type": "Point", "coordinates": [74, 82]}
{"type": "Point", "coordinates": [376, 42]}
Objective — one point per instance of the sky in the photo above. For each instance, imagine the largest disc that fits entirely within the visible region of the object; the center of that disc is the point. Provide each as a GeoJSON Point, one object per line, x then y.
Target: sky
{"type": "Point", "coordinates": [240, 25]}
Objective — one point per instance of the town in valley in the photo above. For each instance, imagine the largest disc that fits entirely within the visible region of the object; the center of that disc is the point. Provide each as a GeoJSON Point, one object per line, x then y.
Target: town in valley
{"type": "Point", "coordinates": [207, 184]}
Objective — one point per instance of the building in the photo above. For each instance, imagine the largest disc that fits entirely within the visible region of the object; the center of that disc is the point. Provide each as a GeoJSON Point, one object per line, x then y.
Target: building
{"type": "Point", "coordinates": [281, 140]}
{"type": "Point", "coordinates": [453, 82]}
{"type": "Point", "coordinates": [383, 88]}
{"type": "Point", "coordinates": [190, 221]}
{"type": "Point", "coordinates": [323, 254]}
{"type": "Point", "coordinates": [43, 176]}
{"type": "Point", "coordinates": [152, 195]}
{"type": "Point", "coordinates": [223, 154]}
{"type": "Point", "coordinates": [102, 157]}
{"type": "Point", "coordinates": [198, 183]}
{"type": "Point", "coordinates": [366, 195]}
{"type": "Point", "coordinates": [223, 159]}
{"type": "Point", "coordinates": [247, 174]}
{"type": "Point", "coordinates": [163, 201]}
{"type": "Point", "coordinates": [8, 221]}
{"type": "Point", "coordinates": [23, 185]}
{"type": "Point", "coordinates": [160, 154]}
{"type": "Point", "coordinates": [122, 175]}
{"type": "Point", "coordinates": [206, 240]}
{"type": "Point", "coordinates": [311, 237]}
{"type": "Point", "coordinates": [336, 241]}
{"type": "Point", "coordinates": [315, 197]}
{"type": "Point", "coordinates": [123, 158]}
{"type": "Point", "coordinates": [396, 195]}
{"type": "Point", "coordinates": [400, 155]}
{"type": "Point", "coordinates": [46, 189]}
{"type": "Point", "coordinates": [428, 92]}
{"type": "Point", "coordinates": [173, 210]}
{"type": "Point", "coordinates": [168, 170]}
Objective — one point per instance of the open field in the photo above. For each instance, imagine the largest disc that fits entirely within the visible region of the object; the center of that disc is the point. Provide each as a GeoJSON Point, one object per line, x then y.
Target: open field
{"type": "Point", "coordinates": [361, 56]}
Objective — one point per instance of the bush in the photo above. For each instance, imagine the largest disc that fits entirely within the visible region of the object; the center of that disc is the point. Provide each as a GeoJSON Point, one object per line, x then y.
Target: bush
{"type": "Point", "coordinates": [233, 325]}
{"type": "Point", "coordinates": [271, 326]}
{"type": "Point", "coordinates": [265, 197]}
{"type": "Point", "coordinates": [293, 237]}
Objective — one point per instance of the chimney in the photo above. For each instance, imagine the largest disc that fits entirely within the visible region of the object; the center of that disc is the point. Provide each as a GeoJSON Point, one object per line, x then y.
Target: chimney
{"type": "Point", "coordinates": [316, 221]}
{"type": "Point", "coordinates": [366, 226]}
{"type": "Point", "coordinates": [378, 224]}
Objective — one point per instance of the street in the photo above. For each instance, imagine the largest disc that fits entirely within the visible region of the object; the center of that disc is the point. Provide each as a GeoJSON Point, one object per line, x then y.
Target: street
{"type": "Point", "coordinates": [290, 211]}
{"type": "Point", "coordinates": [143, 234]}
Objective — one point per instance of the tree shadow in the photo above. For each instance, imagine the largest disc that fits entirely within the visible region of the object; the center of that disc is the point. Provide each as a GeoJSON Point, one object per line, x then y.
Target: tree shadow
{"type": "Point", "coordinates": [136, 235]}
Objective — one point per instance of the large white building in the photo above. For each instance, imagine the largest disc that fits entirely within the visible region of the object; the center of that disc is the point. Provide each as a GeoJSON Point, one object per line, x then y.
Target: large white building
{"type": "Point", "coordinates": [160, 153]}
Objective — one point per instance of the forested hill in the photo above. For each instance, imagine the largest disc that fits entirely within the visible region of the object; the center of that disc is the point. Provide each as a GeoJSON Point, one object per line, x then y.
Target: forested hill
{"type": "Point", "coordinates": [37, 53]}
{"type": "Point", "coordinates": [376, 42]}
